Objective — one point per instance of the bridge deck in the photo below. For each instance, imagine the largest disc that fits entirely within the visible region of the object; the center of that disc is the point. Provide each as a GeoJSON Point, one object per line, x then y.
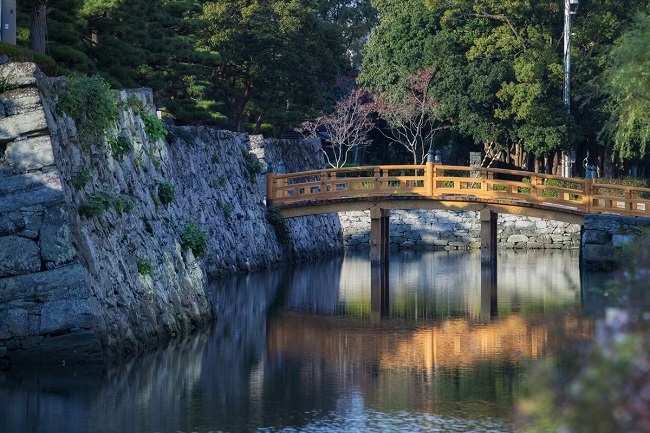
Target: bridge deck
{"type": "Point", "coordinates": [435, 186]}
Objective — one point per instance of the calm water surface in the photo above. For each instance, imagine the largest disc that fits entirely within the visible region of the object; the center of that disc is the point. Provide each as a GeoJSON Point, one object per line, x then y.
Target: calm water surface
{"type": "Point", "coordinates": [436, 343]}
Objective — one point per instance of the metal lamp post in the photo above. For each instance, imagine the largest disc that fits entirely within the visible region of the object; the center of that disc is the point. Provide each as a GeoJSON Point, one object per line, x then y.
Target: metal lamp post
{"type": "Point", "coordinates": [570, 7]}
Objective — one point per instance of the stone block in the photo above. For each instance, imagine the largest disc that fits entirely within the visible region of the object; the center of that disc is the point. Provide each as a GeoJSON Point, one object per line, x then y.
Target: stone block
{"type": "Point", "coordinates": [18, 256]}
{"type": "Point", "coordinates": [19, 74]}
{"type": "Point", "coordinates": [21, 100]}
{"type": "Point", "coordinates": [62, 283]}
{"type": "Point", "coordinates": [33, 218]}
{"type": "Point", "coordinates": [11, 223]}
{"type": "Point", "coordinates": [27, 124]}
{"type": "Point", "coordinates": [30, 154]}
{"type": "Point", "coordinates": [514, 239]}
{"type": "Point", "coordinates": [14, 323]}
{"type": "Point", "coordinates": [58, 316]}
{"type": "Point", "coordinates": [595, 237]}
{"type": "Point", "coordinates": [56, 243]}
{"type": "Point", "coordinates": [29, 190]}
{"type": "Point", "coordinates": [622, 240]}
{"type": "Point", "coordinates": [596, 256]}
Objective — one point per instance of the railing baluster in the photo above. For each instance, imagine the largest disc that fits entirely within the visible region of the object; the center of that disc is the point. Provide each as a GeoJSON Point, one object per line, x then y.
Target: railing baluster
{"type": "Point", "coordinates": [423, 180]}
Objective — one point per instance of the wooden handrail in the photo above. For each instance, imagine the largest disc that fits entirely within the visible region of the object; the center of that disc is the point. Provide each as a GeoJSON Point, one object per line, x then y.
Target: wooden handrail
{"type": "Point", "coordinates": [447, 182]}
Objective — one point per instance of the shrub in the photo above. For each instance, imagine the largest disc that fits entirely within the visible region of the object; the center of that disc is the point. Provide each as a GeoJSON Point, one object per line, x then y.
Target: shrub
{"type": "Point", "coordinates": [81, 179]}
{"type": "Point", "coordinates": [166, 193]}
{"type": "Point", "coordinates": [153, 126]}
{"type": "Point", "coordinates": [145, 267]}
{"type": "Point", "coordinates": [19, 54]}
{"type": "Point", "coordinates": [277, 221]}
{"type": "Point", "coordinates": [194, 238]}
{"type": "Point", "coordinates": [120, 146]}
{"type": "Point", "coordinates": [91, 103]}
{"type": "Point", "coordinates": [100, 202]}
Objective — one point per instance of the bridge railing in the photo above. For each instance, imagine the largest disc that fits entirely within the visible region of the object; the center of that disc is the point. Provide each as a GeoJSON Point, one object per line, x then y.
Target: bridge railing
{"type": "Point", "coordinates": [445, 182]}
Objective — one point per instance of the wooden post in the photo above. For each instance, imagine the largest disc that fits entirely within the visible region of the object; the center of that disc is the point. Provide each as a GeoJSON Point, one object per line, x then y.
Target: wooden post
{"type": "Point", "coordinates": [488, 292]}
{"type": "Point", "coordinates": [588, 192]}
{"type": "Point", "coordinates": [270, 188]}
{"type": "Point", "coordinates": [379, 234]}
{"type": "Point", "coordinates": [488, 236]}
{"type": "Point", "coordinates": [379, 292]}
{"type": "Point", "coordinates": [428, 177]}
{"type": "Point", "coordinates": [628, 199]}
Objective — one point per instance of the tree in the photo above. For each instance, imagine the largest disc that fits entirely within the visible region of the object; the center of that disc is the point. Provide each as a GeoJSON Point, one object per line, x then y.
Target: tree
{"type": "Point", "coordinates": [627, 84]}
{"type": "Point", "coordinates": [409, 112]}
{"type": "Point", "coordinates": [499, 69]}
{"type": "Point", "coordinates": [345, 129]}
{"type": "Point", "coordinates": [355, 18]}
{"type": "Point", "coordinates": [276, 57]}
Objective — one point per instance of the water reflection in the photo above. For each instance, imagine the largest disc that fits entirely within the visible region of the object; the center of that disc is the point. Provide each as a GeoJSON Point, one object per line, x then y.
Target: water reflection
{"type": "Point", "coordinates": [434, 343]}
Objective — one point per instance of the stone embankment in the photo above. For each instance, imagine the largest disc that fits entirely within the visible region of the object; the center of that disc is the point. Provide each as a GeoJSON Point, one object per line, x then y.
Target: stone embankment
{"type": "Point", "coordinates": [94, 244]}
{"type": "Point", "coordinates": [459, 230]}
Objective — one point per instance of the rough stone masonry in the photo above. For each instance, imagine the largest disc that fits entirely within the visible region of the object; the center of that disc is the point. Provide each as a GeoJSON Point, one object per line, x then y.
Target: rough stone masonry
{"type": "Point", "coordinates": [83, 287]}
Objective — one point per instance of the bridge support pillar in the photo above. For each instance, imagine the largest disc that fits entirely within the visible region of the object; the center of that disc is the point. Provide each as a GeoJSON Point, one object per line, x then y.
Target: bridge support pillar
{"type": "Point", "coordinates": [379, 292]}
{"type": "Point", "coordinates": [379, 234]}
{"type": "Point", "coordinates": [488, 236]}
{"type": "Point", "coordinates": [488, 292]}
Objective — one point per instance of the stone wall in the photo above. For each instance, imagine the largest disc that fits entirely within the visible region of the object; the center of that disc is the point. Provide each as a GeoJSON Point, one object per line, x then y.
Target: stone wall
{"type": "Point", "coordinates": [79, 286]}
{"type": "Point", "coordinates": [606, 237]}
{"type": "Point", "coordinates": [459, 230]}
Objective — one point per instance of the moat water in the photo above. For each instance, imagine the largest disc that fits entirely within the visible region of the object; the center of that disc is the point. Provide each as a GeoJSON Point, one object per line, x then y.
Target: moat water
{"type": "Point", "coordinates": [436, 343]}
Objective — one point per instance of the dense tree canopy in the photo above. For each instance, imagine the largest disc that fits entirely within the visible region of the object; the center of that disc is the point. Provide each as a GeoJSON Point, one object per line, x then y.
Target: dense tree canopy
{"type": "Point", "coordinates": [276, 57]}
{"type": "Point", "coordinates": [627, 84]}
{"type": "Point", "coordinates": [499, 67]}
{"type": "Point", "coordinates": [228, 63]}
{"type": "Point", "coordinates": [498, 64]}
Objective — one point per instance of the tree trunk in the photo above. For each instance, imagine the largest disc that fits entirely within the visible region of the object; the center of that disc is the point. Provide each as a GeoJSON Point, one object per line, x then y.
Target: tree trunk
{"type": "Point", "coordinates": [38, 28]}
{"type": "Point", "coordinates": [557, 167]}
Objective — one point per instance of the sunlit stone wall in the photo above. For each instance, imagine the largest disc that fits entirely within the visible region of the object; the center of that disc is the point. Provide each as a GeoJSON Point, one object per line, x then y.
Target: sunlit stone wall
{"type": "Point", "coordinates": [459, 230]}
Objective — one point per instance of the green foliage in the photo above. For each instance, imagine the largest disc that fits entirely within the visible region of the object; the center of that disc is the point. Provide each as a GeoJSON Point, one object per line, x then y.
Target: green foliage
{"type": "Point", "coordinates": [266, 129]}
{"type": "Point", "coordinates": [102, 201]}
{"type": "Point", "coordinates": [279, 224]}
{"type": "Point", "coordinates": [135, 104]}
{"type": "Point", "coordinates": [120, 146]}
{"type": "Point", "coordinates": [628, 87]}
{"type": "Point", "coordinates": [166, 193]}
{"type": "Point", "coordinates": [81, 178]}
{"type": "Point", "coordinates": [91, 103]}
{"type": "Point", "coordinates": [20, 54]}
{"type": "Point", "coordinates": [278, 84]}
{"type": "Point", "coordinates": [153, 126]}
{"type": "Point", "coordinates": [252, 165]}
{"type": "Point", "coordinates": [194, 238]}
{"type": "Point", "coordinates": [145, 267]}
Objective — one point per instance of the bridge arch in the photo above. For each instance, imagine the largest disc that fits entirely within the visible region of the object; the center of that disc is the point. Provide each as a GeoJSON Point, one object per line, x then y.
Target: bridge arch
{"type": "Point", "coordinates": [489, 191]}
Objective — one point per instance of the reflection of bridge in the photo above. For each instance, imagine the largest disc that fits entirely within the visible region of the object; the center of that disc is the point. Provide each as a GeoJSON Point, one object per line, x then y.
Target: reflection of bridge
{"type": "Point", "coordinates": [433, 186]}
{"type": "Point", "coordinates": [390, 344]}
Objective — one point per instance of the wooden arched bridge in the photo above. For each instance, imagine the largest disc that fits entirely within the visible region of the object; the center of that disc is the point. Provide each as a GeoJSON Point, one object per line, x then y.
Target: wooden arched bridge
{"type": "Point", "coordinates": [435, 186]}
